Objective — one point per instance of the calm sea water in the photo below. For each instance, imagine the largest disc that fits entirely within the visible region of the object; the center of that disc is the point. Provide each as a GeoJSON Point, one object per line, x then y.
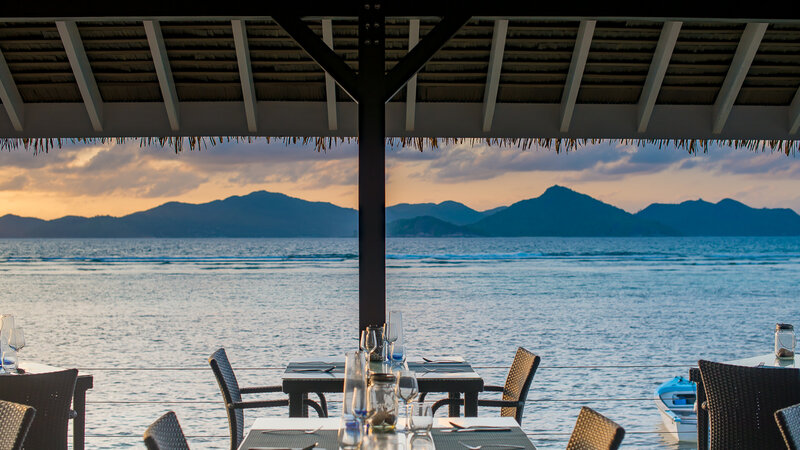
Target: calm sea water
{"type": "Point", "coordinates": [592, 308]}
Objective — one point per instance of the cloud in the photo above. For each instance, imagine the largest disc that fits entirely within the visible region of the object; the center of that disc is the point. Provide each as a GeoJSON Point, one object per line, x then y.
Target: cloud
{"type": "Point", "coordinates": [14, 184]}
{"type": "Point", "coordinates": [129, 169]}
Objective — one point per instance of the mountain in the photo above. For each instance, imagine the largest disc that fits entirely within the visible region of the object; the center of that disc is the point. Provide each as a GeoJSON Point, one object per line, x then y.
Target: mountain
{"type": "Point", "coordinates": [725, 218]}
{"type": "Point", "coordinates": [559, 211]}
{"type": "Point", "coordinates": [426, 226]}
{"type": "Point", "coordinates": [449, 211]}
{"type": "Point", "coordinates": [563, 212]}
{"type": "Point", "coordinates": [260, 214]}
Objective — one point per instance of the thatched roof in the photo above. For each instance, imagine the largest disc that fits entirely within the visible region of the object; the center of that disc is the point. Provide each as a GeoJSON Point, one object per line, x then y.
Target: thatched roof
{"type": "Point", "coordinates": [450, 90]}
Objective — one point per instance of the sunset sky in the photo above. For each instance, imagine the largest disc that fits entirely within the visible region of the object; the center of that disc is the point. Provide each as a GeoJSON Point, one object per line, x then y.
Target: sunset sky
{"type": "Point", "coordinates": [120, 179]}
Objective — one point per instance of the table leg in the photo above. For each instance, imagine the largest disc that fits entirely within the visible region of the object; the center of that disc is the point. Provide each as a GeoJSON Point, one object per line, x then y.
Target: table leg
{"type": "Point", "coordinates": [455, 408]}
{"type": "Point", "coordinates": [79, 406]}
{"type": "Point", "coordinates": [470, 404]}
{"type": "Point", "coordinates": [297, 406]}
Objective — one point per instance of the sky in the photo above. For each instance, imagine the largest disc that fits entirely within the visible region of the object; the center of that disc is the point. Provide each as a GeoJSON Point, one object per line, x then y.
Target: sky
{"type": "Point", "coordinates": [117, 179]}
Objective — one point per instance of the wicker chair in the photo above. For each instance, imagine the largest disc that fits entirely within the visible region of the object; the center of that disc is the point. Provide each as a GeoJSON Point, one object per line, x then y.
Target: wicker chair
{"type": "Point", "coordinates": [515, 391]}
{"type": "Point", "coordinates": [741, 403]}
{"type": "Point", "coordinates": [51, 395]}
{"type": "Point", "coordinates": [15, 419]}
{"type": "Point", "coordinates": [165, 434]}
{"type": "Point", "coordinates": [789, 423]}
{"type": "Point", "coordinates": [232, 396]}
{"type": "Point", "coordinates": [593, 431]}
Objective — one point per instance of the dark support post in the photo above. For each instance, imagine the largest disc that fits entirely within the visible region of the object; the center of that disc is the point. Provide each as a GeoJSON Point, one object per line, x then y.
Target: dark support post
{"type": "Point", "coordinates": [371, 168]}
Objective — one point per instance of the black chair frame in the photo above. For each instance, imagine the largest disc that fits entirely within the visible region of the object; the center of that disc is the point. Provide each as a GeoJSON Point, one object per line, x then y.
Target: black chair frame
{"type": "Point", "coordinates": [235, 406]}
{"type": "Point", "coordinates": [518, 404]}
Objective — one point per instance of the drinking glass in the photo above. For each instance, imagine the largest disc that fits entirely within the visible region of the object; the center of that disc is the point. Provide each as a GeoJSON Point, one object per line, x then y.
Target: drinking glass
{"type": "Point", "coordinates": [394, 326]}
{"type": "Point", "coordinates": [372, 344]}
{"type": "Point", "coordinates": [354, 380]}
{"type": "Point", "coordinates": [406, 387]}
{"type": "Point", "coordinates": [350, 433]}
{"type": "Point", "coordinates": [6, 355]}
{"type": "Point", "coordinates": [421, 441]}
{"type": "Point", "coordinates": [398, 353]}
{"type": "Point", "coordinates": [16, 339]}
{"type": "Point", "coordinates": [420, 418]}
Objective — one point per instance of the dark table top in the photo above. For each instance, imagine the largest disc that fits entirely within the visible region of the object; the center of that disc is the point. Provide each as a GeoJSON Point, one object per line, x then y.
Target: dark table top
{"type": "Point", "coordinates": [327, 375]}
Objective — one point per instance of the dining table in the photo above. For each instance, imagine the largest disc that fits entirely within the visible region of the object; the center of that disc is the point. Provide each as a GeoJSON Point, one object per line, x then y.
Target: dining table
{"type": "Point", "coordinates": [451, 375]}
{"type": "Point", "coordinates": [297, 433]}
{"type": "Point", "coordinates": [765, 360]}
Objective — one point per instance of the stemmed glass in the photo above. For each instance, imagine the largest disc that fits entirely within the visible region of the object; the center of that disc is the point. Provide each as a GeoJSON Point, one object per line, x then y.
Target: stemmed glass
{"type": "Point", "coordinates": [406, 387]}
{"type": "Point", "coordinates": [16, 340]}
{"type": "Point", "coordinates": [371, 342]}
{"type": "Point", "coordinates": [393, 332]}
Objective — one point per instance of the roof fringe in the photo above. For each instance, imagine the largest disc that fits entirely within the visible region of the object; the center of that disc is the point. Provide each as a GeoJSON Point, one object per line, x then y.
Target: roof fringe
{"type": "Point", "coordinates": [179, 144]}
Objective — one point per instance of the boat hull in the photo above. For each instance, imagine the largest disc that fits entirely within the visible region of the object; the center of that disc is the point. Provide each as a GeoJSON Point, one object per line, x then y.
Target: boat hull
{"type": "Point", "coordinates": [675, 400]}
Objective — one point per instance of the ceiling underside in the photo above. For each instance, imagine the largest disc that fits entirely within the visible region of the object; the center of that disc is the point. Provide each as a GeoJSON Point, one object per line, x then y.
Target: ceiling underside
{"type": "Point", "coordinates": [536, 67]}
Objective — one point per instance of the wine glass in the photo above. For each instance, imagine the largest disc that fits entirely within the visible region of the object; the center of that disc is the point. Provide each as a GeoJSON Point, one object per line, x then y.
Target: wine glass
{"type": "Point", "coordinates": [16, 340]}
{"type": "Point", "coordinates": [371, 342]}
{"type": "Point", "coordinates": [362, 341]}
{"type": "Point", "coordinates": [406, 387]}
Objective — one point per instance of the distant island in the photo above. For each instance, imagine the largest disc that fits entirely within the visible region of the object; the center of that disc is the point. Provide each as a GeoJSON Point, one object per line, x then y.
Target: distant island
{"type": "Point", "coordinates": [559, 211]}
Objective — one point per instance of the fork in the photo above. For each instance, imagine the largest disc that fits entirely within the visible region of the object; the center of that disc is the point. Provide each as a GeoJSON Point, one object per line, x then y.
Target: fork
{"type": "Point", "coordinates": [283, 431]}
{"type": "Point", "coordinates": [479, 447]}
{"type": "Point", "coordinates": [329, 369]}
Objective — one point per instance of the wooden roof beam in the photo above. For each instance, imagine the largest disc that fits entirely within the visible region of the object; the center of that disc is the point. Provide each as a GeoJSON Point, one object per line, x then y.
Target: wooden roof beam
{"type": "Point", "coordinates": [794, 113]}
{"type": "Point", "coordinates": [493, 74]}
{"type": "Point", "coordinates": [245, 73]}
{"type": "Point", "coordinates": [416, 59]}
{"type": "Point", "coordinates": [321, 53]}
{"type": "Point", "coordinates": [9, 94]}
{"type": "Point", "coordinates": [87, 85]}
{"type": "Point", "coordinates": [655, 75]}
{"type": "Point", "coordinates": [742, 59]}
{"type": "Point", "coordinates": [411, 86]}
{"type": "Point", "coordinates": [330, 83]}
{"type": "Point", "coordinates": [576, 66]}
{"type": "Point", "coordinates": [164, 73]}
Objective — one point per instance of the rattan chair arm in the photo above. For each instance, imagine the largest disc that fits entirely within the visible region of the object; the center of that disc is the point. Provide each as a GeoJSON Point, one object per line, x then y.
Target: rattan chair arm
{"type": "Point", "coordinates": [260, 389]}
{"type": "Point", "coordinates": [258, 404]}
{"type": "Point", "coordinates": [487, 388]}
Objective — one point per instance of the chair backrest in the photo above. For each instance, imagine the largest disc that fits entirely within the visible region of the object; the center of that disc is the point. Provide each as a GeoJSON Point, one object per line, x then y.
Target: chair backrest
{"type": "Point", "coordinates": [594, 431]}
{"type": "Point", "coordinates": [230, 393]}
{"type": "Point", "coordinates": [51, 395]}
{"type": "Point", "coordinates": [15, 419]}
{"type": "Point", "coordinates": [742, 401]}
{"type": "Point", "coordinates": [165, 434]}
{"type": "Point", "coordinates": [789, 423]}
{"type": "Point", "coordinates": [518, 382]}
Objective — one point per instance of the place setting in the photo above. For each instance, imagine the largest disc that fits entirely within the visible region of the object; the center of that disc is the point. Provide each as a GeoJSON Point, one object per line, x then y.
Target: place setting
{"type": "Point", "coordinates": [382, 405]}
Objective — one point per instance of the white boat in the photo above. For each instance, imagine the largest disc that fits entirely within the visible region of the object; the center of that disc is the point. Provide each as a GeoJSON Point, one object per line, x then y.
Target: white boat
{"type": "Point", "coordinates": [675, 400]}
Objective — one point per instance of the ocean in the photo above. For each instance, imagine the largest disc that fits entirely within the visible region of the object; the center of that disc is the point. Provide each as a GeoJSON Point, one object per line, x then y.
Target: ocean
{"type": "Point", "coordinates": [611, 318]}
